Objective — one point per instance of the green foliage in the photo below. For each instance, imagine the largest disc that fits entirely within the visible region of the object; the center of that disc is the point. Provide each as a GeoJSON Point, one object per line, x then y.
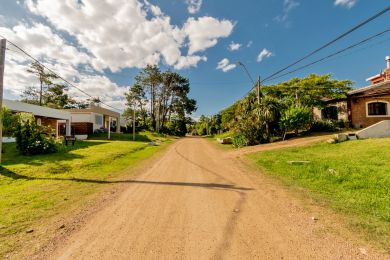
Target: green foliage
{"type": "Point", "coordinates": [239, 140]}
{"type": "Point", "coordinates": [176, 127]}
{"type": "Point", "coordinates": [50, 93]}
{"type": "Point", "coordinates": [167, 95]}
{"type": "Point", "coordinates": [296, 118]}
{"type": "Point", "coordinates": [10, 121]}
{"type": "Point", "coordinates": [324, 126]}
{"type": "Point", "coordinates": [248, 121]}
{"type": "Point", "coordinates": [309, 91]}
{"type": "Point", "coordinates": [30, 139]}
{"type": "Point", "coordinates": [283, 107]}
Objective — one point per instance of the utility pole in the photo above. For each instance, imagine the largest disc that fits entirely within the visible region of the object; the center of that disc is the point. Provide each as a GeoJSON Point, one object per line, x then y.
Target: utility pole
{"type": "Point", "coordinates": [109, 128]}
{"type": "Point", "coordinates": [134, 122]}
{"type": "Point", "coordinates": [3, 43]}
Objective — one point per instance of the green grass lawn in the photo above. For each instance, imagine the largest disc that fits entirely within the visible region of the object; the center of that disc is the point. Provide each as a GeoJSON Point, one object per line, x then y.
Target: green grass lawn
{"type": "Point", "coordinates": [36, 188]}
{"type": "Point", "coordinates": [351, 177]}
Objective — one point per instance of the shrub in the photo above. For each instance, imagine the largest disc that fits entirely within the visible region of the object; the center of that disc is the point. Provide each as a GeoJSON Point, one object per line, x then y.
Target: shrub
{"type": "Point", "coordinates": [324, 126]}
{"type": "Point", "coordinates": [31, 141]}
{"type": "Point", "coordinates": [9, 122]}
{"type": "Point", "coordinates": [296, 118]}
{"type": "Point", "coordinates": [239, 140]}
{"type": "Point", "coordinates": [328, 125]}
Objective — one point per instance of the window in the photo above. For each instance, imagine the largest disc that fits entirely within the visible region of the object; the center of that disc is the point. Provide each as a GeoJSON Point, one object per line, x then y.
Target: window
{"type": "Point", "coordinates": [330, 112]}
{"type": "Point", "coordinates": [377, 108]}
{"type": "Point", "coordinates": [98, 120]}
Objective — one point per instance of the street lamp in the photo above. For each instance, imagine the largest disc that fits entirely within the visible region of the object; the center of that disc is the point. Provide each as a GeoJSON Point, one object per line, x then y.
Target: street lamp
{"type": "Point", "coordinates": [250, 77]}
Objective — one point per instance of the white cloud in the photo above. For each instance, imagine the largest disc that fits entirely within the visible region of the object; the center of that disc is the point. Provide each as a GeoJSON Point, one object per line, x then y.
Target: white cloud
{"type": "Point", "coordinates": [127, 33]}
{"type": "Point", "coordinates": [264, 54]}
{"type": "Point", "coordinates": [189, 61]}
{"type": "Point", "coordinates": [41, 42]}
{"type": "Point", "coordinates": [194, 6]}
{"type": "Point", "coordinates": [225, 65]}
{"type": "Point", "coordinates": [249, 44]}
{"type": "Point", "coordinates": [288, 6]}
{"type": "Point", "coordinates": [204, 32]}
{"type": "Point", "coordinates": [234, 46]}
{"type": "Point", "coordinates": [55, 53]}
{"type": "Point", "coordinates": [346, 3]}
{"type": "Point", "coordinates": [102, 35]}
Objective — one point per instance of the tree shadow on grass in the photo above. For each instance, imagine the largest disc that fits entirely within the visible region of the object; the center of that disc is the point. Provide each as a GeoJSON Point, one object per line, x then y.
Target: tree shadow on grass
{"type": "Point", "coordinates": [15, 176]}
{"type": "Point", "coordinates": [11, 155]}
{"type": "Point", "coordinates": [120, 137]}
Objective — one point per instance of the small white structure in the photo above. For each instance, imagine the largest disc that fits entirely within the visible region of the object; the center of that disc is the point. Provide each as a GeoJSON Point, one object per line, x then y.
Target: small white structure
{"type": "Point", "coordinates": [44, 115]}
{"type": "Point", "coordinates": [96, 116]}
{"type": "Point", "coordinates": [378, 130]}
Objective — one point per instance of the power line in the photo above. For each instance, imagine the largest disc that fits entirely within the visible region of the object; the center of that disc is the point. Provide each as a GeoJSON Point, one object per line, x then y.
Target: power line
{"type": "Point", "coordinates": [331, 42]}
{"type": "Point", "coordinates": [331, 55]}
{"type": "Point", "coordinates": [50, 70]}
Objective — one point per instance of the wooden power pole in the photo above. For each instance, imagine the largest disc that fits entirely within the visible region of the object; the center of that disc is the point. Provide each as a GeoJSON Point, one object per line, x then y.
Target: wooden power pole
{"type": "Point", "coordinates": [134, 123]}
{"type": "Point", "coordinates": [3, 44]}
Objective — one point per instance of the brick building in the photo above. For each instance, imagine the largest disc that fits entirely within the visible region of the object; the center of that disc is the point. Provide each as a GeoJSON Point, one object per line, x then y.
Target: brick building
{"type": "Point", "coordinates": [371, 104]}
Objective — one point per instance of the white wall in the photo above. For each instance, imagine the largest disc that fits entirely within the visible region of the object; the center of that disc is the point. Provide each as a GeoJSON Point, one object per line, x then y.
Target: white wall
{"type": "Point", "coordinates": [81, 118]}
{"type": "Point", "coordinates": [378, 130]}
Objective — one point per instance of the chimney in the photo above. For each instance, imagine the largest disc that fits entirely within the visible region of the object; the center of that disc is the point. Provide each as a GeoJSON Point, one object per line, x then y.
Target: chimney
{"type": "Point", "coordinates": [388, 61]}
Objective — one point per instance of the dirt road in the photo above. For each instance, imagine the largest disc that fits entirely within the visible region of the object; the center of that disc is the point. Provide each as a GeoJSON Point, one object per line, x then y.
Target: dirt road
{"type": "Point", "coordinates": [197, 203]}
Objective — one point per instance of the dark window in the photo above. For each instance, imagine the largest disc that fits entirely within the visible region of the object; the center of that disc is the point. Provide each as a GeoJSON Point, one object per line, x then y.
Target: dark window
{"type": "Point", "coordinates": [98, 120]}
{"type": "Point", "coordinates": [330, 112]}
{"type": "Point", "coordinates": [377, 109]}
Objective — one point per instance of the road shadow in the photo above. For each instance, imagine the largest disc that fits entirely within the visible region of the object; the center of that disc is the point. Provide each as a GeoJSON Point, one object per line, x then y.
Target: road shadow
{"type": "Point", "coordinates": [15, 176]}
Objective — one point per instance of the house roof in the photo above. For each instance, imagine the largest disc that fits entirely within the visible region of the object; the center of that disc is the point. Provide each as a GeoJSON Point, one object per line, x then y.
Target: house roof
{"type": "Point", "coordinates": [382, 88]}
{"type": "Point", "coordinates": [18, 106]}
{"type": "Point", "coordinates": [95, 109]}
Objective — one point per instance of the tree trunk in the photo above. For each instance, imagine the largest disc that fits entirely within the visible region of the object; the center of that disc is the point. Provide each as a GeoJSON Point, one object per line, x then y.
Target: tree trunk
{"type": "Point", "coordinates": [40, 93]}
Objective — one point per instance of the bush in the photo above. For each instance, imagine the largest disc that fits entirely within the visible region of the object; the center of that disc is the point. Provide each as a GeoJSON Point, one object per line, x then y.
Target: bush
{"type": "Point", "coordinates": [324, 126]}
{"type": "Point", "coordinates": [31, 141]}
{"type": "Point", "coordinates": [328, 125]}
{"type": "Point", "coordinates": [9, 122]}
{"type": "Point", "coordinates": [239, 140]}
{"type": "Point", "coordinates": [296, 118]}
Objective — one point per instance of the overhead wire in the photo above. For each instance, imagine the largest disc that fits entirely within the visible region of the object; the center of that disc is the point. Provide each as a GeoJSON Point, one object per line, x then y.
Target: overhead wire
{"type": "Point", "coordinates": [361, 24]}
{"type": "Point", "coordinates": [331, 55]}
{"type": "Point", "coordinates": [57, 75]}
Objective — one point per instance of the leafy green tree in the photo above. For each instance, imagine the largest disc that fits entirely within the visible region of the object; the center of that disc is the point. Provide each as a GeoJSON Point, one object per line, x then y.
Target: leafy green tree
{"type": "Point", "coordinates": [45, 78]}
{"type": "Point", "coordinates": [295, 118]}
{"type": "Point", "coordinates": [311, 91]}
{"type": "Point", "coordinates": [247, 121]}
{"type": "Point", "coordinates": [150, 78]}
{"type": "Point", "coordinates": [166, 92]}
{"type": "Point", "coordinates": [269, 112]}
{"type": "Point", "coordinates": [136, 99]}
{"type": "Point", "coordinates": [10, 121]}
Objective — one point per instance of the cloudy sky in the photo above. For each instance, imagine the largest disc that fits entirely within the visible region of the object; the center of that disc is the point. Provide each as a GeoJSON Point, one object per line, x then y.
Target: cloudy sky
{"type": "Point", "coordinates": [101, 44]}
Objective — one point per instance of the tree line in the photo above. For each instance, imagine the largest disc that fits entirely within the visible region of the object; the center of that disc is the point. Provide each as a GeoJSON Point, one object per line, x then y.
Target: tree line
{"type": "Point", "coordinates": [284, 108]}
{"type": "Point", "coordinates": [160, 101]}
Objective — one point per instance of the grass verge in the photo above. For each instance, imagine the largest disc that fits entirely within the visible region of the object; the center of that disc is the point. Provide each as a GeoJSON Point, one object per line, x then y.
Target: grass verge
{"type": "Point", "coordinates": [37, 188]}
{"type": "Point", "coordinates": [351, 177]}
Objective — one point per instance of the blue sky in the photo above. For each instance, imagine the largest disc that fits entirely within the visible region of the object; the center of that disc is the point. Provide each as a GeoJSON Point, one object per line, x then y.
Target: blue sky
{"type": "Point", "coordinates": [103, 54]}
